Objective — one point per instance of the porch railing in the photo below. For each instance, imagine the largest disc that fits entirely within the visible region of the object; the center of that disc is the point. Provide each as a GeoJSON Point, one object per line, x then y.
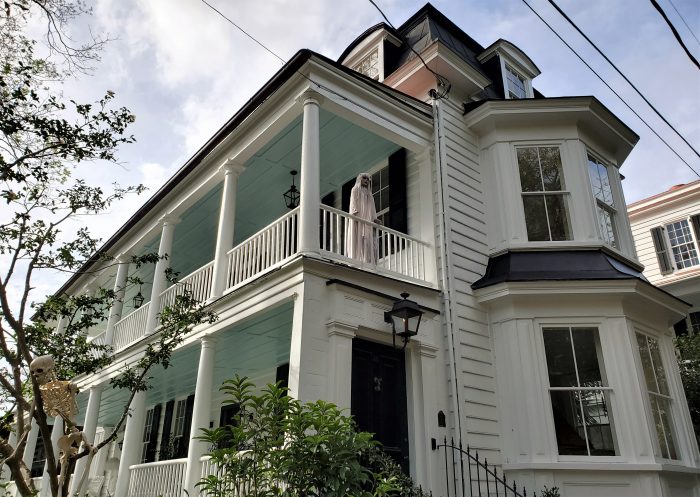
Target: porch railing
{"type": "Point", "coordinates": [197, 282]}
{"type": "Point", "coordinates": [268, 248]}
{"type": "Point", "coordinates": [98, 340]}
{"type": "Point", "coordinates": [131, 328]}
{"type": "Point", "coordinates": [392, 250]}
{"type": "Point", "coordinates": [466, 475]}
{"type": "Point", "coordinates": [227, 485]}
{"type": "Point", "coordinates": [163, 479]}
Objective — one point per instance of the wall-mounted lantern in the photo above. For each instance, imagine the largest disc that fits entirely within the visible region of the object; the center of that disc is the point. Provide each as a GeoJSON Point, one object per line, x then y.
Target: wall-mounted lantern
{"type": "Point", "coordinates": [291, 196]}
{"type": "Point", "coordinates": [404, 316]}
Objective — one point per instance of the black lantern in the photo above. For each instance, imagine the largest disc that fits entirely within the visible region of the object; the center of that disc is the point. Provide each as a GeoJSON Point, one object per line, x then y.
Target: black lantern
{"type": "Point", "coordinates": [404, 316]}
{"type": "Point", "coordinates": [138, 299]}
{"type": "Point", "coordinates": [291, 196]}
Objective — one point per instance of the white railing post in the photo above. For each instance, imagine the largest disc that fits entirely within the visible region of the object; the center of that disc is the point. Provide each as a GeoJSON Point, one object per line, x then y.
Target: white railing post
{"type": "Point", "coordinates": [56, 433]}
{"type": "Point", "coordinates": [30, 444]}
{"type": "Point", "coordinates": [131, 449]}
{"type": "Point", "coordinates": [310, 172]}
{"type": "Point", "coordinates": [227, 219]}
{"type": "Point", "coordinates": [201, 412]}
{"type": "Point", "coordinates": [159, 280]}
{"type": "Point", "coordinates": [89, 429]}
{"type": "Point", "coordinates": [115, 312]}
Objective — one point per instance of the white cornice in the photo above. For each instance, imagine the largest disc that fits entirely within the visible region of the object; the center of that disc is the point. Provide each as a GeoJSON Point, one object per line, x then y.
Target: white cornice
{"type": "Point", "coordinates": [515, 57]}
{"type": "Point", "coordinates": [665, 201]}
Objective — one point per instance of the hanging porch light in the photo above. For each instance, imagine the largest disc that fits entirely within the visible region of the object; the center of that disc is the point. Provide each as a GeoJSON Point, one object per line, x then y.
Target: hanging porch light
{"type": "Point", "coordinates": [138, 299]}
{"type": "Point", "coordinates": [291, 196]}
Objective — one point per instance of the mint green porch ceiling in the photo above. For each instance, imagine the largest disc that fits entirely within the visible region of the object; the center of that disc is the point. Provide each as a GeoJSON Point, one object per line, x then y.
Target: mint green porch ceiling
{"type": "Point", "coordinates": [253, 348]}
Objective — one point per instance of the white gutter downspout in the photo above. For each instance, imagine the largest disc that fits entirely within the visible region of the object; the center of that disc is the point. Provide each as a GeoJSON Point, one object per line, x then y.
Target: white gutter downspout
{"type": "Point", "coordinates": [447, 301]}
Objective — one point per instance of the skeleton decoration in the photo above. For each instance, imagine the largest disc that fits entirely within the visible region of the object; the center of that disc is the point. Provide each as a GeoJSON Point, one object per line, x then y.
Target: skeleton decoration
{"type": "Point", "coordinates": [59, 399]}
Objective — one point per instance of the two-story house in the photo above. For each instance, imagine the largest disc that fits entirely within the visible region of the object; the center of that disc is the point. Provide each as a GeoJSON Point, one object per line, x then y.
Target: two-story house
{"type": "Point", "coordinates": [502, 215]}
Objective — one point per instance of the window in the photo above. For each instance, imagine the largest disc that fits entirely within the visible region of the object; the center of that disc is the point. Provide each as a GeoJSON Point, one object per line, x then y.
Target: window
{"type": "Point", "coordinates": [659, 397]}
{"type": "Point", "coordinates": [682, 244]}
{"type": "Point", "coordinates": [369, 66]}
{"type": "Point", "coordinates": [39, 459]}
{"type": "Point", "coordinates": [605, 205]}
{"type": "Point", "coordinates": [544, 197]}
{"type": "Point", "coordinates": [147, 435]}
{"type": "Point", "coordinates": [579, 392]}
{"type": "Point", "coordinates": [694, 318]}
{"type": "Point", "coordinates": [179, 424]}
{"type": "Point", "coordinates": [380, 192]}
{"type": "Point", "coordinates": [516, 84]}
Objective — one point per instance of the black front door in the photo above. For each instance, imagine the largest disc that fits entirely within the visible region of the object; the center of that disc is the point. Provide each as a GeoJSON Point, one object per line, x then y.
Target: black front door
{"type": "Point", "coordinates": [379, 396]}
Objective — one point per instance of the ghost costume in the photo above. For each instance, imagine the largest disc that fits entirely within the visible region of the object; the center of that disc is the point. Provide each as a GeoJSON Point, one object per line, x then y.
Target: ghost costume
{"type": "Point", "coordinates": [360, 241]}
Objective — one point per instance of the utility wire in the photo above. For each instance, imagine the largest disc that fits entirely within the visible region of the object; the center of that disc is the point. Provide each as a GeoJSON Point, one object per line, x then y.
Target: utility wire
{"type": "Point", "coordinates": [554, 4]}
{"type": "Point", "coordinates": [675, 32]}
{"type": "Point", "coordinates": [686, 24]}
{"type": "Point", "coordinates": [441, 80]}
{"type": "Point", "coordinates": [610, 88]}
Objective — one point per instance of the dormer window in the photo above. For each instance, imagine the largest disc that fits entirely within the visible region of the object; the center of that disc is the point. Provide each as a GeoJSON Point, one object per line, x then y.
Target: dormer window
{"type": "Point", "coordinates": [516, 84]}
{"type": "Point", "coordinates": [369, 65]}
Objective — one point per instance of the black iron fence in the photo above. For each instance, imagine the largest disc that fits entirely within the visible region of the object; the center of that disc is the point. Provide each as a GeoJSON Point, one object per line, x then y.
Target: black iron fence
{"type": "Point", "coordinates": [467, 475]}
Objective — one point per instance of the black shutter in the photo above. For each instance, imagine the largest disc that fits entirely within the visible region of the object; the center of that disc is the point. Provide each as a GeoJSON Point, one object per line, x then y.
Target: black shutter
{"type": "Point", "coordinates": [165, 452]}
{"type": "Point", "coordinates": [282, 375]}
{"type": "Point", "coordinates": [681, 327]}
{"type": "Point", "coordinates": [185, 439]}
{"type": "Point", "coordinates": [695, 220]}
{"type": "Point", "coordinates": [328, 200]}
{"type": "Point", "coordinates": [153, 442]}
{"type": "Point", "coordinates": [657, 235]}
{"type": "Point", "coordinates": [345, 195]}
{"type": "Point", "coordinates": [398, 211]}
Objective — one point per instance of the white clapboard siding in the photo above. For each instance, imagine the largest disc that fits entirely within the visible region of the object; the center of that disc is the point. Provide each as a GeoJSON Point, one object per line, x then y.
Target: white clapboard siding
{"type": "Point", "coordinates": [464, 204]}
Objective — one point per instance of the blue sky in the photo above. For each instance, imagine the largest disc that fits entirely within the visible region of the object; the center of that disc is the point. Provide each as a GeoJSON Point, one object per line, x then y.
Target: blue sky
{"type": "Point", "coordinates": [184, 71]}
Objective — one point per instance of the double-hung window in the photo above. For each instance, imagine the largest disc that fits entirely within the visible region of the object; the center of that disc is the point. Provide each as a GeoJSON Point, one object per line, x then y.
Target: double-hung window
{"type": "Point", "coordinates": [179, 425]}
{"type": "Point", "coordinates": [659, 396]}
{"type": "Point", "coordinates": [516, 84]}
{"type": "Point", "coordinates": [579, 393]}
{"type": "Point", "coordinates": [147, 435]}
{"type": "Point", "coordinates": [380, 193]}
{"type": "Point", "coordinates": [676, 244]}
{"type": "Point", "coordinates": [605, 204]}
{"type": "Point", "coordinates": [544, 194]}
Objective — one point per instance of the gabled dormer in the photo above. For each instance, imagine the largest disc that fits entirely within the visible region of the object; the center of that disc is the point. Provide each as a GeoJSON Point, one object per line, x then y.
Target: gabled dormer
{"type": "Point", "coordinates": [515, 68]}
{"type": "Point", "coordinates": [369, 53]}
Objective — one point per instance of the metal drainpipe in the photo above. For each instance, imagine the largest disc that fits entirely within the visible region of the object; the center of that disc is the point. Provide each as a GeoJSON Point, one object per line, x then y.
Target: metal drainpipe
{"type": "Point", "coordinates": [439, 153]}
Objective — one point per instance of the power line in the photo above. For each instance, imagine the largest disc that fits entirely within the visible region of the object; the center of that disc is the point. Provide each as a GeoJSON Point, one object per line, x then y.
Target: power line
{"type": "Point", "coordinates": [610, 88]}
{"type": "Point", "coordinates": [686, 24]}
{"type": "Point", "coordinates": [441, 80]}
{"type": "Point", "coordinates": [623, 76]}
{"type": "Point", "coordinates": [675, 33]}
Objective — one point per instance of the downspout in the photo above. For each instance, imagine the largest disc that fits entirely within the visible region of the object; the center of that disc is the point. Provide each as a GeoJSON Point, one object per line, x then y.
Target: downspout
{"type": "Point", "coordinates": [447, 301]}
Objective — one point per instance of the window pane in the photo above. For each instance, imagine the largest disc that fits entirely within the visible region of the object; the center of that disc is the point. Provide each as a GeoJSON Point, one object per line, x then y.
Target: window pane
{"type": "Point", "coordinates": [598, 422]}
{"type": "Point", "coordinates": [646, 363]}
{"type": "Point", "coordinates": [528, 163]}
{"type": "Point", "coordinates": [587, 357]}
{"type": "Point", "coordinates": [658, 367]}
{"type": "Point", "coordinates": [600, 181]}
{"type": "Point", "coordinates": [535, 218]}
{"type": "Point", "coordinates": [558, 219]}
{"type": "Point", "coordinates": [560, 357]}
{"type": "Point", "coordinates": [664, 408]}
{"type": "Point", "coordinates": [568, 423]}
{"type": "Point", "coordinates": [659, 426]}
{"type": "Point", "coordinates": [683, 246]}
{"type": "Point", "coordinates": [607, 230]}
{"type": "Point", "coordinates": [552, 174]}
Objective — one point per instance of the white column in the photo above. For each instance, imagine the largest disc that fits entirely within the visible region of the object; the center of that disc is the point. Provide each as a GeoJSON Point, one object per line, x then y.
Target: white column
{"type": "Point", "coordinates": [90, 427]}
{"type": "Point", "coordinates": [160, 282]}
{"type": "Point", "coordinates": [115, 313]}
{"type": "Point", "coordinates": [30, 444]}
{"type": "Point", "coordinates": [201, 413]}
{"type": "Point", "coordinates": [310, 201]}
{"type": "Point", "coordinates": [224, 235]}
{"type": "Point", "coordinates": [340, 336]}
{"type": "Point", "coordinates": [133, 443]}
{"type": "Point", "coordinates": [56, 433]}
{"type": "Point", "coordinates": [5, 470]}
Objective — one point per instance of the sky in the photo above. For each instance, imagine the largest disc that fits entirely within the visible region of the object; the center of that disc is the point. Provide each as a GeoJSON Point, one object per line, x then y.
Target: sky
{"type": "Point", "coordinates": [183, 70]}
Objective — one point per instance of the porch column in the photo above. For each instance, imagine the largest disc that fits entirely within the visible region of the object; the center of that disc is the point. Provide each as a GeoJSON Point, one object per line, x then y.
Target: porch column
{"type": "Point", "coordinates": [340, 336]}
{"type": "Point", "coordinates": [201, 413]}
{"type": "Point", "coordinates": [310, 201]}
{"type": "Point", "coordinates": [115, 313]}
{"type": "Point", "coordinates": [90, 427]}
{"type": "Point", "coordinates": [131, 450]}
{"type": "Point", "coordinates": [160, 282]}
{"type": "Point", "coordinates": [56, 433]}
{"type": "Point", "coordinates": [224, 235]}
{"type": "Point", "coordinates": [30, 444]}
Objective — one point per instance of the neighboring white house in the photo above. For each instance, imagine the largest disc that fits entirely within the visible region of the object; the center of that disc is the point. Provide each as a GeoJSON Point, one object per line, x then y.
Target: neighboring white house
{"type": "Point", "coordinates": [541, 344]}
{"type": "Point", "coordinates": [666, 230]}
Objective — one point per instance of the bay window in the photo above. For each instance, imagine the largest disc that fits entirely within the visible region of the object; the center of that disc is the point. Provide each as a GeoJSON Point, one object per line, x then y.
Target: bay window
{"type": "Point", "coordinates": [659, 395]}
{"type": "Point", "coordinates": [605, 204]}
{"type": "Point", "coordinates": [579, 393]}
{"type": "Point", "coordinates": [543, 192]}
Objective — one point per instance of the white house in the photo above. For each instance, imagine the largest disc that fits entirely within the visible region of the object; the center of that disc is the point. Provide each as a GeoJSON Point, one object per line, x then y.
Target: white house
{"type": "Point", "coordinates": [541, 344]}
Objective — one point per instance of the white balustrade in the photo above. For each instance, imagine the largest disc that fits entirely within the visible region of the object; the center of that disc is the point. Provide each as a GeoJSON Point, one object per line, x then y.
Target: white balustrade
{"type": "Point", "coordinates": [131, 328]}
{"type": "Point", "coordinates": [394, 251]}
{"type": "Point", "coordinates": [162, 479]}
{"type": "Point", "coordinates": [268, 248]}
{"type": "Point", "coordinates": [97, 340]}
{"type": "Point", "coordinates": [197, 282]}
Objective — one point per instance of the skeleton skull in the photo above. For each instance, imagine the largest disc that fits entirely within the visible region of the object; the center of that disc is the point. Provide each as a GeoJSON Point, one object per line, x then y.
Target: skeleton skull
{"type": "Point", "coordinates": [42, 368]}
